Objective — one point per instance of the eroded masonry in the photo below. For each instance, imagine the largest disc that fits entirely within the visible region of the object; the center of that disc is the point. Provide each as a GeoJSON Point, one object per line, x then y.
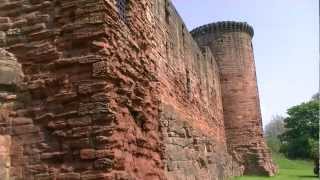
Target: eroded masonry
{"type": "Point", "coordinates": [120, 90]}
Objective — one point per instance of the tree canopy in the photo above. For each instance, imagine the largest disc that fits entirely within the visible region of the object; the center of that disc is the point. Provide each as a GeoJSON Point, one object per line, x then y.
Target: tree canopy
{"type": "Point", "coordinates": [275, 127]}
{"type": "Point", "coordinates": [273, 130]}
{"type": "Point", "coordinates": [300, 140]}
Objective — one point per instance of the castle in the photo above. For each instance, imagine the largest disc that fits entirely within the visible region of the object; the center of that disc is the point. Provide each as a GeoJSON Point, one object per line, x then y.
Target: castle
{"type": "Point", "coordinates": [120, 90]}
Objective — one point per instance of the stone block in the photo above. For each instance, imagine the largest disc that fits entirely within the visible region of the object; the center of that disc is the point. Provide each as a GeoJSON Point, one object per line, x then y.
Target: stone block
{"type": "Point", "coordinates": [100, 69]}
{"type": "Point", "coordinates": [79, 121]}
{"type": "Point", "coordinates": [87, 154]}
{"type": "Point", "coordinates": [52, 155]}
{"type": "Point", "coordinates": [103, 164]}
{"type": "Point", "coordinates": [24, 129]}
{"type": "Point", "coordinates": [69, 176]}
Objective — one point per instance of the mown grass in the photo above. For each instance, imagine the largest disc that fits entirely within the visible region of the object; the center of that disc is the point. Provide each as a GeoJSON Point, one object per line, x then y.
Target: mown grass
{"type": "Point", "coordinates": [288, 170]}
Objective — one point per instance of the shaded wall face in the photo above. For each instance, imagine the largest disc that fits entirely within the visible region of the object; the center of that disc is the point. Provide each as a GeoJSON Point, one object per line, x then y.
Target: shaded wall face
{"type": "Point", "coordinates": [191, 106]}
{"type": "Point", "coordinates": [90, 75]}
{"type": "Point", "coordinates": [234, 54]}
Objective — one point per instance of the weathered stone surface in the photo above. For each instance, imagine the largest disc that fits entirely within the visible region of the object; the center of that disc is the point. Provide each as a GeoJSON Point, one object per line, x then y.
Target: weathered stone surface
{"type": "Point", "coordinates": [116, 91]}
{"type": "Point", "coordinates": [78, 57]}
{"type": "Point", "coordinates": [192, 122]}
{"type": "Point", "coordinates": [10, 69]}
{"type": "Point", "coordinates": [69, 176]}
{"type": "Point", "coordinates": [87, 154]}
{"type": "Point", "coordinates": [5, 143]}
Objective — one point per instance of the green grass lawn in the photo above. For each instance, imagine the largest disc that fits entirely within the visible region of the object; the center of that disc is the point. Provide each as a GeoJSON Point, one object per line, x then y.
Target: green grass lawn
{"type": "Point", "coordinates": [289, 170]}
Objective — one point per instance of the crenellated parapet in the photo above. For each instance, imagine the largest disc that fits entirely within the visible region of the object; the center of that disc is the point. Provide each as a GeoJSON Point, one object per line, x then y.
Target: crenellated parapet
{"type": "Point", "coordinates": [223, 26]}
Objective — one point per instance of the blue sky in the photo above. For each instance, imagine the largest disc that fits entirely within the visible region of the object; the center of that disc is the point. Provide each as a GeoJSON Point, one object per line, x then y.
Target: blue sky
{"type": "Point", "coordinates": [286, 44]}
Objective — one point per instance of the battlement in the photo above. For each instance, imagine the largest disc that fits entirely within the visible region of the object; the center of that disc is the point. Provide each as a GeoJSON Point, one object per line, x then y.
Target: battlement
{"type": "Point", "coordinates": [223, 26]}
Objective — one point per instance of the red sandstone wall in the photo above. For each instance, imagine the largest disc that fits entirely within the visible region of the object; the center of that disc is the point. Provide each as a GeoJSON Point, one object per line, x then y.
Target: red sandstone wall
{"type": "Point", "coordinates": [191, 104]}
{"type": "Point", "coordinates": [111, 95]}
{"type": "Point", "coordinates": [5, 143]}
{"type": "Point", "coordinates": [93, 107]}
{"type": "Point", "coordinates": [10, 75]}
{"type": "Point", "coordinates": [189, 77]}
{"type": "Point", "coordinates": [230, 43]}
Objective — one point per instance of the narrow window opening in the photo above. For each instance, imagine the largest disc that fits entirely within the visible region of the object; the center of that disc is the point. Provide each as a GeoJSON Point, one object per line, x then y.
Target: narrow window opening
{"type": "Point", "coordinates": [167, 49]}
{"type": "Point", "coordinates": [188, 82]}
{"type": "Point", "coordinates": [167, 12]}
{"type": "Point", "coordinates": [183, 36]}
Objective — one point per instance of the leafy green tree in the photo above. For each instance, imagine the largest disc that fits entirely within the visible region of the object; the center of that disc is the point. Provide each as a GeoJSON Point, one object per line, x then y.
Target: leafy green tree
{"type": "Point", "coordinates": [302, 135]}
{"type": "Point", "coordinates": [274, 144]}
{"type": "Point", "coordinates": [314, 144]}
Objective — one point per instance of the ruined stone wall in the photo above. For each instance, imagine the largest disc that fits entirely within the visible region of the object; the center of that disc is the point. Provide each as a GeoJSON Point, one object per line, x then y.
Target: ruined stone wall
{"type": "Point", "coordinates": [191, 104]}
{"type": "Point", "coordinates": [113, 89]}
{"type": "Point", "coordinates": [89, 72]}
{"type": "Point", "coordinates": [231, 44]}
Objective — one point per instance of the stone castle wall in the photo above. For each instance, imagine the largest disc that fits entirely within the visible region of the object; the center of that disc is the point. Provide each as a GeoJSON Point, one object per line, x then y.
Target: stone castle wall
{"type": "Point", "coordinates": [112, 89]}
{"type": "Point", "coordinates": [191, 104]}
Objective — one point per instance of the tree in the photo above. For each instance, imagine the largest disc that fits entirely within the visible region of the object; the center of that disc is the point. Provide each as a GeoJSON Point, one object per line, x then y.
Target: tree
{"type": "Point", "coordinates": [316, 96]}
{"type": "Point", "coordinates": [302, 135]}
{"type": "Point", "coordinates": [275, 127]}
{"type": "Point", "coordinates": [272, 131]}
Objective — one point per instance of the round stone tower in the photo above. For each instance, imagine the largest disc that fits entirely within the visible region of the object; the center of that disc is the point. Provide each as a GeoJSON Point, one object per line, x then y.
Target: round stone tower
{"type": "Point", "coordinates": [230, 42]}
